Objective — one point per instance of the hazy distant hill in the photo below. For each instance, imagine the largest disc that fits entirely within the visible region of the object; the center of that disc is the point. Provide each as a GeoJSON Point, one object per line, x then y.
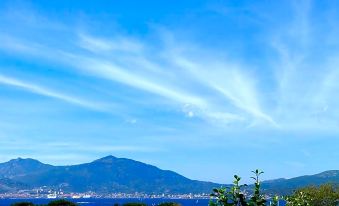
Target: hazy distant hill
{"type": "Point", "coordinates": [109, 174]}
{"type": "Point", "coordinates": [286, 186]}
{"type": "Point", "coordinates": [21, 167]}
{"type": "Point", "coordinates": [8, 185]}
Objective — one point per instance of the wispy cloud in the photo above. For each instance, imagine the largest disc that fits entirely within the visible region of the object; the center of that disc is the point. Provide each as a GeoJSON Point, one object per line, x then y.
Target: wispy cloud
{"type": "Point", "coordinates": [200, 84]}
{"type": "Point", "coordinates": [5, 80]}
{"type": "Point", "coordinates": [242, 77]}
{"type": "Point", "coordinates": [141, 74]}
{"type": "Point", "coordinates": [121, 44]}
{"type": "Point", "coordinates": [230, 81]}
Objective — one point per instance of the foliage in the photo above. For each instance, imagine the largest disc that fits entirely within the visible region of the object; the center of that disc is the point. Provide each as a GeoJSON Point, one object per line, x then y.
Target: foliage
{"type": "Point", "coordinates": [299, 198]}
{"type": "Point", "coordinates": [169, 204]}
{"type": "Point", "coordinates": [274, 201]}
{"type": "Point", "coordinates": [257, 199]}
{"type": "Point", "coordinates": [324, 195]}
{"type": "Point", "coordinates": [228, 196]}
{"type": "Point", "coordinates": [134, 204]}
{"type": "Point", "coordinates": [61, 203]}
{"type": "Point", "coordinates": [234, 196]}
{"type": "Point", "coordinates": [22, 204]}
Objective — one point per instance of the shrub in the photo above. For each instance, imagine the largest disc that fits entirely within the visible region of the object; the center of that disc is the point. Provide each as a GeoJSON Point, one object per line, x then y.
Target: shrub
{"type": "Point", "coordinates": [169, 204]}
{"type": "Point", "coordinates": [61, 203]}
{"type": "Point", "coordinates": [134, 204]}
{"type": "Point", "coordinates": [257, 199]}
{"type": "Point", "coordinates": [22, 204]}
{"type": "Point", "coordinates": [234, 197]}
{"type": "Point", "coordinates": [324, 195]}
{"type": "Point", "coordinates": [299, 199]}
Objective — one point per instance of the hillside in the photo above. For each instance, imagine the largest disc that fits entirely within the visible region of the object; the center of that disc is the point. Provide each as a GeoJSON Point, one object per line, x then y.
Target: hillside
{"type": "Point", "coordinates": [286, 186]}
{"type": "Point", "coordinates": [108, 174]}
{"type": "Point", "coordinates": [111, 174]}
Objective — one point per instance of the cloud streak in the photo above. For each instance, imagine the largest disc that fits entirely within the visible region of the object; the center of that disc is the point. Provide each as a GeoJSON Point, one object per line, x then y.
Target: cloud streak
{"type": "Point", "coordinates": [5, 80]}
{"type": "Point", "coordinates": [196, 83]}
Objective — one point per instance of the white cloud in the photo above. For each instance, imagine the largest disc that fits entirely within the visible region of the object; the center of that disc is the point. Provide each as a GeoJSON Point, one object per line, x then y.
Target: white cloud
{"type": "Point", "coordinates": [120, 44]}
{"type": "Point", "coordinates": [148, 78]}
{"type": "Point", "coordinates": [229, 81]}
{"type": "Point", "coordinates": [217, 90]}
{"type": "Point", "coordinates": [5, 80]}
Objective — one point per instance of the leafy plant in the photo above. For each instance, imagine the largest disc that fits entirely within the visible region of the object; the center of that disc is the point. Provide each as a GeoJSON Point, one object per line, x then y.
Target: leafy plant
{"type": "Point", "coordinates": [257, 199]}
{"type": "Point", "coordinates": [22, 204]}
{"type": "Point", "coordinates": [61, 203]}
{"type": "Point", "coordinates": [221, 197]}
{"type": "Point", "coordinates": [324, 195]}
{"type": "Point", "coordinates": [134, 204]}
{"type": "Point", "coordinates": [274, 201]}
{"type": "Point", "coordinates": [235, 197]}
{"type": "Point", "coordinates": [299, 198]}
{"type": "Point", "coordinates": [169, 204]}
{"type": "Point", "coordinates": [229, 196]}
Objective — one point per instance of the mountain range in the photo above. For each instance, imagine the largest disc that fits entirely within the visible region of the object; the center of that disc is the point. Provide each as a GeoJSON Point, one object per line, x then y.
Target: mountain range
{"type": "Point", "coordinates": [111, 174]}
{"type": "Point", "coordinates": [105, 175]}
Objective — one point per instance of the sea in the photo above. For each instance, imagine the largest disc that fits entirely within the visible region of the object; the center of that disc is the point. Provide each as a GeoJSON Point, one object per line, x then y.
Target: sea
{"type": "Point", "coordinates": [120, 201]}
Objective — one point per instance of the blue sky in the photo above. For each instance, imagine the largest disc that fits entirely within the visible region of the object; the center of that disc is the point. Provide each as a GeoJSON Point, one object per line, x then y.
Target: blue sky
{"type": "Point", "coordinates": [205, 88]}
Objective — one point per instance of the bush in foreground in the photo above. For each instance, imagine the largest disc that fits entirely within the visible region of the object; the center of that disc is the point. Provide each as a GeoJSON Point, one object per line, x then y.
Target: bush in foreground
{"type": "Point", "coordinates": [134, 204]}
{"type": "Point", "coordinates": [61, 203]}
{"type": "Point", "coordinates": [22, 204]}
{"type": "Point", "coordinates": [235, 197]}
{"type": "Point", "coordinates": [324, 195]}
{"type": "Point", "coordinates": [169, 204]}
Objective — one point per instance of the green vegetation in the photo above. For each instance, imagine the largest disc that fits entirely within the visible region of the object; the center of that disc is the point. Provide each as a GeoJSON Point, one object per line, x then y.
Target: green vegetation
{"type": "Point", "coordinates": [324, 195]}
{"type": "Point", "coordinates": [169, 204]}
{"type": "Point", "coordinates": [234, 196]}
{"type": "Point", "coordinates": [52, 203]}
{"type": "Point", "coordinates": [22, 204]}
{"type": "Point", "coordinates": [257, 199]}
{"type": "Point", "coordinates": [275, 201]}
{"type": "Point", "coordinates": [61, 203]}
{"type": "Point", "coordinates": [134, 204]}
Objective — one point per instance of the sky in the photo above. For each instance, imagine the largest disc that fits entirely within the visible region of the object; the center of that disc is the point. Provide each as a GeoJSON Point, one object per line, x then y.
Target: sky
{"type": "Point", "coordinates": [208, 89]}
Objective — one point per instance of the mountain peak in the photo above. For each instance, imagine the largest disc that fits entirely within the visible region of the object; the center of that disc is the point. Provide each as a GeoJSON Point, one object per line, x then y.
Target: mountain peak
{"type": "Point", "coordinates": [21, 166]}
{"type": "Point", "coordinates": [20, 159]}
{"type": "Point", "coordinates": [329, 173]}
{"type": "Point", "coordinates": [107, 159]}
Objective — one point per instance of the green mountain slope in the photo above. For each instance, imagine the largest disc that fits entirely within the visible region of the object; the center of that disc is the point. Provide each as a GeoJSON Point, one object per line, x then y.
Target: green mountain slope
{"type": "Point", "coordinates": [109, 174]}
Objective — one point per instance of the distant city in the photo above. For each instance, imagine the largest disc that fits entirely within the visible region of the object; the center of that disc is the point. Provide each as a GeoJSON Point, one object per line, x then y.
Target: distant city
{"type": "Point", "coordinates": [51, 193]}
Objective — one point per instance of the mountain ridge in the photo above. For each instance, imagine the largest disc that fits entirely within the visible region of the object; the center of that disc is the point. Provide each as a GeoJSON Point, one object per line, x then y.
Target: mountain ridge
{"type": "Point", "coordinates": [104, 175]}
{"type": "Point", "coordinates": [112, 174]}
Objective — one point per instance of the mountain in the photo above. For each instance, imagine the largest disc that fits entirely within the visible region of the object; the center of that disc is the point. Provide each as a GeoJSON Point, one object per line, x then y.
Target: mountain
{"type": "Point", "coordinates": [111, 174]}
{"type": "Point", "coordinates": [21, 167]}
{"type": "Point", "coordinates": [8, 185]}
{"type": "Point", "coordinates": [286, 186]}
{"type": "Point", "coordinates": [105, 175]}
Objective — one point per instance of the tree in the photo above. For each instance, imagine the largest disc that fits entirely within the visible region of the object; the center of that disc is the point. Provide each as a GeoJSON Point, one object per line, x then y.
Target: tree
{"type": "Point", "coordinates": [61, 203]}
{"type": "Point", "coordinates": [134, 204]}
{"type": "Point", "coordinates": [257, 199]}
{"type": "Point", "coordinates": [229, 196]}
{"type": "Point", "coordinates": [235, 197]}
{"type": "Point", "coordinates": [22, 204]}
{"type": "Point", "coordinates": [323, 195]}
{"type": "Point", "coordinates": [169, 204]}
